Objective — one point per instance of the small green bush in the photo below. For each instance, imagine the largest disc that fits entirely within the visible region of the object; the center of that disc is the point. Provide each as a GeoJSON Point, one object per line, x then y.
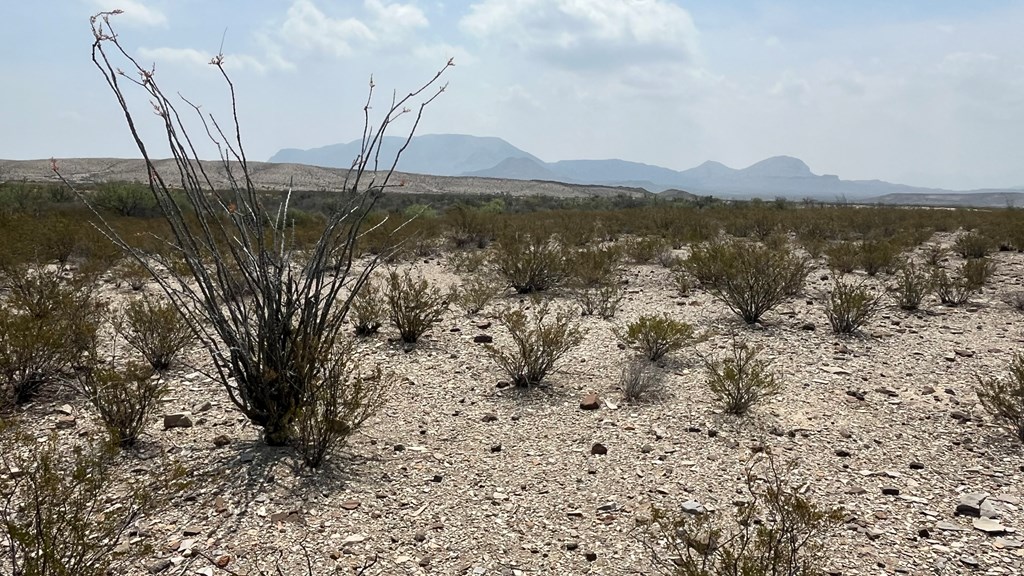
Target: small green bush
{"type": "Point", "coordinates": [155, 329]}
{"type": "Point", "coordinates": [978, 271]}
{"type": "Point", "coordinates": [338, 404]}
{"type": "Point", "coordinates": [842, 257]}
{"type": "Point", "coordinates": [640, 381]}
{"type": "Point", "coordinates": [369, 308]}
{"type": "Point", "coordinates": [1003, 398]}
{"type": "Point", "coordinates": [414, 305]}
{"type": "Point", "coordinates": [643, 250]}
{"type": "Point", "coordinates": [973, 245]}
{"type": "Point", "coordinates": [741, 379]}
{"type": "Point", "coordinates": [749, 278]}
{"type": "Point", "coordinates": [57, 515]}
{"type": "Point", "coordinates": [477, 291]}
{"type": "Point", "coordinates": [850, 306]}
{"type": "Point", "coordinates": [592, 280]}
{"type": "Point", "coordinates": [530, 263]}
{"type": "Point", "coordinates": [913, 284]}
{"type": "Point", "coordinates": [656, 336]}
{"type": "Point", "coordinates": [935, 254]}
{"type": "Point", "coordinates": [540, 339]}
{"type": "Point", "coordinates": [969, 279]}
{"type": "Point", "coordinates": [775, 532]}
{"type": "Point", "coordinates": [877, 256]}
{"type": "Point", "coordinates": [124, 397]}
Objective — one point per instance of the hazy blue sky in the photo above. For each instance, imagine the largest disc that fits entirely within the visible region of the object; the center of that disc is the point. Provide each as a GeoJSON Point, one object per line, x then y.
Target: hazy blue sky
{"type": "Point", "coordinates": [927, 92]}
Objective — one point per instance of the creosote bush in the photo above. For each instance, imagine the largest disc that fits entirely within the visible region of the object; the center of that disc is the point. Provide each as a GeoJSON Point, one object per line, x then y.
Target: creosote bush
{"type": "Point", "coordinates": [48, 325]}
{"type": "Point", "coordinates": [369, 308]}
{"type": "Point", "coordinates": [776, 532]}
{"type": "Point", "coordinates": [877, 256]}
{"type": "Point", "coordinates": [842, 257]}
{"type": "Point", "coordinates": [643, 250]}
{"type": "Point", "coordinates": [968, 280]}
{"type": "Point", "coordinates": [540, 338]}
{"type": "Point", "coordinates": [123, 396]}
{"type": "Point", "coordinates": [741, 379]}
{"type": "Point", "coordinates": [913, 284]}
{"type": "Point", "coordinates": [477, 291]}
{"type": "Point", "coordinates": [656, 336]}
{"type": "Point", "coordinates": [529, 262]}
{"type": "Point", "coordinates": [973, 245]}
{"type": "Point", "coordinates": [56, 513]}
{"type": "Point", "coordinates": [641, 382]}
{"type": "Point", "coordinates": [592, 279]}
{"type": "Point", "coordinates": [338, 405]}
{"type": "Point", "coordinates": [414, 305]}
{"type": "Point", "coordinates": [935, 254]}
{"type": "Point", "coordinates": [1003, 398]}
{"type": "Point", "coordinates": [749, 278]}
{"type": "Point", "coordinates": [155, 329]}
{"type": "Point", "coordinates": [850, 305]}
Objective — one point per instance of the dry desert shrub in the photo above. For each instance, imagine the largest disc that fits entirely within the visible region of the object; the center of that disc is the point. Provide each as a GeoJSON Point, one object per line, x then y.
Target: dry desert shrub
{"type": "Point", "coordinates": [973, 245]}
{"type": "Point", "coordinates": [265, 302]}
{"type": "Point", "coordinates": [641, 382]}
{"type": "Point", "coordinates": [414, 305]}
{"type": "Point", "coordinates": [530, 262]}
{"type": "Point", "coordinates": [969, 279]}
{"type": "Point", "coordinates": [850, 305]}
{"type": "Point", "coordinates": [369, 308]}
{"type": "Point", "coordinates": [878, 256]}
{"type": "Point", "coordinates": [776, 531]}
{"type": "Point", "coordinates": [913, 284]}
{"type": "Point", "coordinates": [540, 338]}
{"type": "Point", "coordinates": [338, 405]}
{"type": "Point", "coordinates": [56, 511]}
{"type": "Point", "coordinates": [592, 279]}
{"type": "Point", "coordinates": [656, 336]}
{"type": "Point", "coordinates": [842, 257]}
{"type": "Point", "coordinates": [749, 278]}
{"type": "Point", "coordinates": [645, 249]}
{"type": "Point", "coordinates": [155, 329]}
{"type": "Point", "coordinates": [1015, 300]}
{"type": "Point", "coordinates": [477, 291]}
{"type": "Point", "coordinates": [741, 379]}
{"type": "Point", "coordinates": [1003, 398]}
{"type": "Point", "coordinates": [124, 398]}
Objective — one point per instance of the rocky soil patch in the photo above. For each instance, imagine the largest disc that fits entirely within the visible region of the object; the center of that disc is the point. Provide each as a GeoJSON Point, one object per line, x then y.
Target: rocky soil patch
{"type": "Point", "coordinates": [462, 475]}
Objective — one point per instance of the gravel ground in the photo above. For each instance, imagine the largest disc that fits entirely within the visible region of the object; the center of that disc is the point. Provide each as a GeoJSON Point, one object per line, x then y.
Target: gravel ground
{"type": "Point", "coordinates": [459, 476]}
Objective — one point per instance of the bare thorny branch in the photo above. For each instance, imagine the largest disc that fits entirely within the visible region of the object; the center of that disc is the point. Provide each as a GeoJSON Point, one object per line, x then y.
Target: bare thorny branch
{"type": "Point", "coordinates": [298, 302]}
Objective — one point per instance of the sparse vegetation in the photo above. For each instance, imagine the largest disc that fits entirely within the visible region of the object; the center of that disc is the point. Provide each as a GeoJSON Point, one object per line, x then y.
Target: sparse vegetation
{"type": "Point", "coordinates": [414, 305]}
{"type": "Point", "coordinates": [850, 305]}
{"type": "Point", "coordinates": [155, 329]}
{"type": "Point", "coordinates": [369, 308]}
{"type": "Point", "coordinates": [477, 291]}
{"type": "Point", "coordinates": [750, 279]}
{"type": "Point", "coordinates": [972, 245]}
{"type": "Point", "coordinates": [740, 379]}
{"type": "Point", "coordinates": [593, 280]}
{"type": "Point", "coordinates": [530, 262]}
{"type": "Point", "coordinates": [641, 382]}
{"type": "Point", "coordinates": [656, 336]}
{"type": "Point", "coordinates": [123, 396]}
{"type": "Point", "coordinates": [55, 511]}
{"type": "Point", "coordinates": [540, 338]}
{"type": "Point", "coordinates": [913, 284]}
{"type": "Point", "coordinates": [776, 531]}
{"type": "Point", "coordinates": [338, 405]}
{"type": "Point", "coordinates": [1003, 398]}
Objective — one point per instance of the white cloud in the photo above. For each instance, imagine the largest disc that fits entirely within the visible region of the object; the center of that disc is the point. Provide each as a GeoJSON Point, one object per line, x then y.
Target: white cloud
{"type": "Point", "coordinates": [193, 58]}
{"type": "Point", "coordinates": [582, 34]}
{"type": "Point", "coordinates": [134, 12]}
{"type": "Point", "coordinates": [308, 28]}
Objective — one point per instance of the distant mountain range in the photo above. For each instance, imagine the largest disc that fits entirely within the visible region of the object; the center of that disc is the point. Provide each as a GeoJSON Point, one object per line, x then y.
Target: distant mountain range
{"type": "Point", "coordinates": [781, 176]}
